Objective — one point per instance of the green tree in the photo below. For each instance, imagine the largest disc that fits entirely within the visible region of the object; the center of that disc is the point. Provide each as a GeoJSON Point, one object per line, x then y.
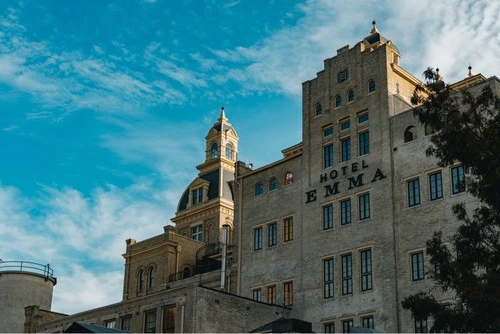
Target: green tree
{"type": "Point", "coordinates": [467, 129]}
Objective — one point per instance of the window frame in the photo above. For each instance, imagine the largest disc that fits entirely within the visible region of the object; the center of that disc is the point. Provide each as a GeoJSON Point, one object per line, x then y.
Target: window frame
{"type": "Point", "coordinates": [273, 184]}
{"type": "Point", "coordinates": [229, 151]}
{"type": "Point", "coordinates": [257, 294]}
{"type": "Point", "coordinates": [372, 86]}
{"type": "Point", "coordinates": [417, 266]}
{"type": "Point", "coordinates": [345, 212]}
{"type": "Point", "coordinates": [368, 322]}
{"type": "Point", "coordinates": [148, 321]}
{"type": "Point", "coordinates": [288, 293]}
{"type": "Point", "coordinates": [151, 277]}
{"type": "Point", "coordinates": [168, 320]}
{"type": "Point", "coordinates": [364, 206]}
{"type": "Point", "coordinates": [328, 278]}
{"type": "Point", "coordinates": [214, 151]}
{"type": "Point", "coordinates": [257, 238]}
{"type": "Point", "coordinates": [435, 186]}
{"type": "Point", "coordinates": [410, 134]}
{"type": "Point", "coordinates": [258, 190]}
{"type": "Point", "coordinates": [271, 294]}
{"type": "Point", "coordinates": [345, 147]}
{"type": "Point", "coordinates": [197, 232]}
{"type": "Point", "coordinates": [350, 96]}
{"type": "Point", "coordinates": [413, 189]}
{"type": "Point", "coordinates": [345, 125]}
{"type": "Point", "coordinates": [347, 283]}
{"type": "Point", "coordinates": [338, 101]}
{"type": "Point", "coordinates": [272, 234]}
{"type": "Point", "coordinates": [364, 143]}
{"type": "Point", "coordinates": [328, 159]}
{"type": "Point", "coordinates": [366, 266]}
{"type": "Point", "coordinates": [287, 229]}
{"type": "Point", "coordinates": [363, 118]}
{"type": "Point", "coordinates": [328, 131]}
{"type": "Point", "coordinates": [126, 323]}
{"type": "Point", "coordinates": [457, 179]}
{"type": "Point", "coordinates": [347, 324]}
{"type": "Point", "coordinates": [318, 110]}
{"type": "Point", "coordinates": [327, 216]}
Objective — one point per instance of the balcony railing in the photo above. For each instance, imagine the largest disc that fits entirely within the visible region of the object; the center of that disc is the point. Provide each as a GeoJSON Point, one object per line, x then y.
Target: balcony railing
{"type": "Point", "coordinates": [25, 266]}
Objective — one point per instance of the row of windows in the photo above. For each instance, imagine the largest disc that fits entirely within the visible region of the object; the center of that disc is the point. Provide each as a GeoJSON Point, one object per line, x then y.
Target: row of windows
{"type": "Point", "coordinates": [145, 275]}
{"type": "Point", "coordinates": [345, 216]}
{"type": "Point", "coordinates": [436, 185]}
{"type": "Point", "coordinates": [270, 291]}
{"type": "Point", "coordinates": [347, 324]}
{"type": "Point", "coordinates": [345, 148]}
{"type": "Point", "coordinates": [350, 97]}
{"type": "Point", "coordinates": [273, 184]}
{"type": "Point", "coordinates": [214, 151]}
{"type": "Point", "coordinates": [411, 132]}
{"type": "Point", "coordinates": [167, 326]}
{"type": "Point", "coordinates": [272, 234]}
{"type": "Point", "coordinates": [345, 124]}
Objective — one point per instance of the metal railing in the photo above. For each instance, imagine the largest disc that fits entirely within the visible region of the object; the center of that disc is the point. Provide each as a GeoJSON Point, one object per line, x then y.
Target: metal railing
{"type": "Point", "coordinates": [25, 266]}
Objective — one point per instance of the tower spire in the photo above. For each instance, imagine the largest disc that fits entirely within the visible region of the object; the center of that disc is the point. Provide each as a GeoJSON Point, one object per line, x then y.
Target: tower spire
{"type": "Point", "coordinates": [374, 29]}
{"type": "Point", "coordinates": [222, 117]}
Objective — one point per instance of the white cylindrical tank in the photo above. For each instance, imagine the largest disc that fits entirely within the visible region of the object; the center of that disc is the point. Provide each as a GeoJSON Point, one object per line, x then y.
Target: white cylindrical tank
{"type": "Point", "coordinates": [23, 284]}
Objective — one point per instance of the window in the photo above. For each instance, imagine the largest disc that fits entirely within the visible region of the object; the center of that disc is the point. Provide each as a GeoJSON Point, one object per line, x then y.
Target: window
{"type": "Point", "coordinates": [197, 232]}
{"type": "Point", "coordinates": [371, 86]}
{"type": "Point", "coordinates": [259, 189]}
{"type": "Point", "coordinates": [328, 156]}
{"type": "Point", "coordinates": [288, 229]}
{"type": "Point", "coordinates": [366, 270]}
{"type": "Point", "coordinates": [350, 95]}
{"type": "Point", "coordinates": [256, 295]}
{"type": "Point", "coordinates": [367, 322]}
{"type": "Point", "coordinates": [410, 134]}
{"type": "Point", "coordinates": [110, 323]}
{"type": "Point", "coordinates": [363, 118]}
{"type": "Point", "coordinates": [271, 294]}
{"type": "Point", "coordinates": [329, 328]}
{"type": "Point", "coordinates": [347, 325]}
{"type": "Point", "coordinates": [150, 322]}
{"type": "Point", "coordinates": [364, 143]}
{"type": "Point", "coordinates": [328, 278]}
{"type": "Point", "coordinates": [338, 101]}
{"type": "Point", "coordinates": [435, 186]}
{"type": "Point", "coordinates": [140, 284]}
{"type": "Point", "coordinates": [345, 212]}
{"type": "Point", "coordinates": [272, 234]}
{"type": "Point", "coordinates": [126, 323]}
{"type": "Point", "coordinates": [346, 149]}
{"type": "Point", "coordinates": [288, 293]}
{"type": "Point", "coordinates": [328, 217]}
{"type": "Point", "coordinates": [345, 125]}
{"type": "Point", "coordinates": [413, 192]}
{"type": "Point", "coordinates": [328, 131]}
{"type": "Point", "coordinates": [213, 151]}
{"type": "Point", "coordinates": [347, 274]}
{"type": "Point", "coordinates": [169, 319]}
{"type": "Point", "coordinates": [197, 195]}
{"type": "Point", "coordinates": [420, 325]}
{"type": "Point", "coordinates": [273, 184]}
{"type": "Point", "coordinates": [364, 206]}
{"type": "Point", "coordinates": [458, 179]}
{"type": "Point", "coordinates": [229, 151]}
{"type": "Point", "coordinates": [257, 238]}
{"type": "Point", "coordinates": [151, 277]}
{"type": "Point", "coordinates": [288, 178]}
{"type": "Point", "coordinates": [417, 266]}
{"type": "Point", "coordinates": [319, 109]}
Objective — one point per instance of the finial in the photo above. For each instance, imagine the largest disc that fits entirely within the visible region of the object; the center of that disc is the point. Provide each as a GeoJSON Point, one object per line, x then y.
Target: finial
{"type": "Point", "coordinates": [374, 29]}
{"type": "Point", "coordinates": [438, 76]}
{"type": "Point", "coordinates": [470, 70]}
{"type": "Point", "coordinates": [222, 116]}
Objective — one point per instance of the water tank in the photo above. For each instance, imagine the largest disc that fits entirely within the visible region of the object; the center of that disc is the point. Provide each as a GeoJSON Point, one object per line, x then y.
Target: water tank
{"type": "Point", "coordinates": [23, 284]}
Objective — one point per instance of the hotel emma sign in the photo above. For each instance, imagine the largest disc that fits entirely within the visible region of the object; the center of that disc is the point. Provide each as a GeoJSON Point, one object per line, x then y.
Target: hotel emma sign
{"type": "Point", "coordinates": [354, 181]}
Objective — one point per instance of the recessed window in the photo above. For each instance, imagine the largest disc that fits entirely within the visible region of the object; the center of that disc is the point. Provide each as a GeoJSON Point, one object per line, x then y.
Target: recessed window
{"type": "Point", "coordinates": [413, 192]}
{"type": "Point", "coordinates": [328, 131]}
{"type": "Point", "coordinates": [273, 184]}
{"type": "Point", "coordinates": [126, 323]}
{"type": "Point", "coordinates": [256, 295]}
{"type": "Point", "coordinates": [328, 217]}
{"type": "Point", "coordinates": [151, 277]}
{"type": "Point", "coordinates": [420, 325]}
{"type": "Point", "coordinates": [367, 322]}
{"type": "Point", "coordinates": [329, 327]}
{"type": "Point", "coordinates": [197, 196]}
{"type": "Point", "coordinates": [272, 234]}
{"type": "Point", "coordinates": [410, 134]}
{"type": "Point", "coordinates": [345, 212]}
{"type": "Point", "coordinates": [259, 189]}
{"type": "Point", "coordinates": [436, 186]}
{"type": "Point", "coordinates": [346, 149]}
{"type": "Point", "coordinates": [363, 118]}
{"type": "Point", "coordinates": [169, 319]}
{"type": "Point", "coordinates": [288, 293]}
{"type": "Point", "coordinates": [288, 179]}
{"type": "Point", "coordinates": [288, 229]}
{"type": "Point", "coordinates": [364, 206]}
{"type": "Point", "coordinates": [371, 86]}
{"type": "Point", "coordinates": [271, 294]}
{"type": "Point", "coordinates": [150, 322]}
{"type": "Point", "coordinates": [338, 101]}
{"type": "Point", "coordinates": [319, 109]}
{"type": "Point", "coordinates": [213, 151]}
{"type": "Point", "coordinates": [417, 266]}
{"type": "Point", "coordinates": [257, 238]}
{"type": "Point", "coordinates": [458, 179]}
{"type": "Point", "coordinates": [350, 95]}
{"type": "Point", "coordinates": [140, 283]}
{"type": "Point", "coordinates": [328, 278]}
{"type": "Point", "coordinates": [347, 274]}
{"type": "Point", "coordinates": [229, 151]}
{"type": "Point", "coordinates": [197, 232]}
{"type": "Point", "coordinates": [111, 323]}
{"type": "Point", "coordinates": [364, 143]}
{"type": "Point", "coordinates": [328, 156]}
{"type": "Point", "coordinates": [347, 325]}
{"type": "Point", "coordinates": [345, 125]}
{"type": "Point", "coordinates": [366, 271]}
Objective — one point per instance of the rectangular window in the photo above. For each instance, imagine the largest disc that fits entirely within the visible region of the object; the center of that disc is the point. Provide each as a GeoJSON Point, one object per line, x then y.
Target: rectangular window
{"type": "Point", "coordinates": [364, 143]}
{"type": "Point", "coordinates": [328, 217]}
{"type": "Point", "coordinates": [256, 295]}
{"type": "Point", "coordinates": [347, 325]}
{"type": "Point", "coordinates": [328, 156]}
{"type": "Point", "coordinates": [436, 186]}
{"type": "Point", "coordinates": [366, 270]}
{"type": "Point", "coordinates": [417, 266]}
{"type": "Point", "coordinates": [328, 131]}
{"type": "Point", "coordinates": [345, 125]}
{"type": "Point", "coordinates": [362, 118]}
{"type": "Point", "coordinates": [346, 149]}
{"type": "Point", "coordinates": [420, 325]}
{"type": "Point", "coordinates": [345, 212]}
{"type": "Point", "coordinates": [367, 322]}
{"type": "Point", "coordinates": [195, 196]}
{"type": "Point", "coordinates": [272, 234]}
{"type": "Point", "coordinates": [328, 278]}
{"type": "Point", "coordinates": [150, 322]}
{"type": "Point", "coordinates": [169, 319]}
{"type": "Point", "coordinates": [288, 293]}
{"type": "Point", "coordinates": [126, 323]}
{"type": "Point", "coordinates": [364, 206]}
{"type": "Point", "coordinates": [458, 179]}
{"type": "Point", "coordinates": [329, 328]}
{"type": "Point", "coordinates": [414, 192]}
{"type": "Point", "coordinates": [347, 274]}
{"type": "Point", "coordinates": [197, 232]}
{"type": "Point", "coordinates": [288, 229]}
{"type": "Point", "coordinates": [271, 294]}
{"type": "Point", "coordinates": [257, 238]}
{"type": "Point", "coordinates": [110, 323]}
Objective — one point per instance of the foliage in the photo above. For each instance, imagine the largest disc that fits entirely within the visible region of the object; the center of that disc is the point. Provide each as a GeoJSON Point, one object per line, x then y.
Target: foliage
{"type": "Point", "coordinates": [467, 129]}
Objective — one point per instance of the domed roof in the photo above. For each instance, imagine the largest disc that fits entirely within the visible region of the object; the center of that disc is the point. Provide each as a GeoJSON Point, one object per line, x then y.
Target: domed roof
{"type": "Point", "coordinates": [222, 124]}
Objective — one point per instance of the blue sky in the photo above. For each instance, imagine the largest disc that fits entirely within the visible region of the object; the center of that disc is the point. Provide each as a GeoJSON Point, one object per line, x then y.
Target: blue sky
{"type": "Point", "coordinates": [105, 106]}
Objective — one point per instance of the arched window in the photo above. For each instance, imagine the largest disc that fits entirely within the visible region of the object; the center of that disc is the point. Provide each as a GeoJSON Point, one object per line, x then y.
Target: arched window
{"type": "Point", "coordinates": [229, 151]}
{"type": "Point", "coordinates": [259, 189]}
{"type": "Point", "coordinates": [350, 95]}
{"type": "Point", "coordinates": [288, 178]}
{"type": "Point", "coordinates": [151, 277]}
{"type": "Point", "coordinates": [273, 184]}
{"type": "Point", "coordinates": [319, 109]}
{"type": "Point", "coordinates": [186, 273]}
{"type": "Point", "coordinates": [409, 134]}
{"type": "Point", "coordinates": [371, 86]}
{"type": "Point", "coordinates": [140, 280]}
{"type": "Point", "coordinates": [213, 151]}
{"type": "Point", "coordinates": [338, 101]}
